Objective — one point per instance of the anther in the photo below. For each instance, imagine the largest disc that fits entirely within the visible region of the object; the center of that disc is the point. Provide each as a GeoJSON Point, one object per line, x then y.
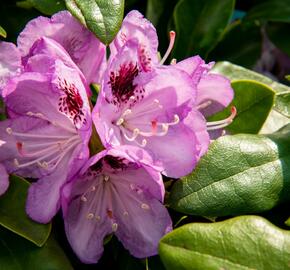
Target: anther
{"type": "Point", "coordinates": [98, 218]}
{"type": "Point", "coordinates": [16, 162]}
{"type": "Point", "coordinates": [145, 206]}
{"type": "Point", "coordinates": [173, 61]}
{"type": "Point", "coordinates": [83, 199]}
{"type": "Point", "coordinates": [9, 130]}
{"type": "Point", "coordinates": [120, 121]}
{"type": "Point", "coordinates": [114, 227]}
{"type": "Point", "coordinates": [90, 216]}
{"type": "Point", "coordinates": [106, 178]}
{"type": "Point", "coordinates": [126, 213]}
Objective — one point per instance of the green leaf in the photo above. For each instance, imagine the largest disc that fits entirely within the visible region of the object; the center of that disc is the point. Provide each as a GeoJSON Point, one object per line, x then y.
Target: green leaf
{"type": "Point", "coordinates": [48, 7]}
{"type": "Point", "coordinates": [274, 122]}
{"type": "Point", "coordinates": [159, 13]}
{"type": "Point", "coordinates": [270, 10]}
{"type": "Point", "coordinates": [3, 32]}
{"type": "Point", "coordinates": [13, 215]}
{"type": "Point", "coordinates": [239, 174]}
{"type": "Point", "coordinates": [287, 222]}
{"type": "Point", "coordinates": [238, 36]}
{"type": "Point", "coordinates": [200, 25]}
{"type": "Point", "coordinates": [234, 72]}
{"type": "Point", "coordinates": [253, 102]}
{"type": "Point", "coordinates": [102, 17]}
{"type": "Point", "coordinates": [17, 253]}
{"type": "Point", "coordinates": [246, 242]}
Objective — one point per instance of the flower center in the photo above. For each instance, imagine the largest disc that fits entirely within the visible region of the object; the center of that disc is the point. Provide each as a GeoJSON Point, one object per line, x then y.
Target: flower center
{"type": "Point", "coordinates": [122, 84]}
{"type": "Point", "coordinates": [71, 103]}
{"type": "Point", "coordinates": [109, 196]}
{"type": "Point", "coordinates": [132, 127]}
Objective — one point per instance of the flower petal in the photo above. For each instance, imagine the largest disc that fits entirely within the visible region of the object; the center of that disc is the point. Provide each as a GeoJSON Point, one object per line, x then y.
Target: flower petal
{"type": "Point", "coordinates": [10, 62]}
{"type": "Point", "coordinates": [135, 26]}
{"type": "Point", "coordinates": [4, 180]}
{"type": "Point", "coordinates": [197, 123]}
{"type": "Point", "coordinates": [176, 150]}
{"type": "Point", "coordinates": [145, 224]}
{"type": "Point", "coordinates": [83, 47]}
{"type": "Point", "coordinates": [214, 88]}
{"type": "Point", "coordinates": [86, 235]}
{"type": "Point", "coordinates": [43, 200]}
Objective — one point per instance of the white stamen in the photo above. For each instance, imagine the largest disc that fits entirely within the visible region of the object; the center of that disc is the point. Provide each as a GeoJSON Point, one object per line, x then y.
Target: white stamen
{"type": "Point", "coordinates": [222, 123]}
{"type": "Point", "coordinates": [106, 178]}
{"type": "Point", "coordinates": [84, 199]}
{"type": "Point", "coordinates": [98, 218]}
{"type": "Point", "coordinates": [126, 213]}
{"type": "Point", "coordinates": [170, 47]}
{"type": "Point", "coordinates": [204, 105]}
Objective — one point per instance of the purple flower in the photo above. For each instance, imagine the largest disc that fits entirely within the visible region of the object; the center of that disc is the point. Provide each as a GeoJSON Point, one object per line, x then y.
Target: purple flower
{"type": "Point", "coordinates": [150, 108]}
{"type": "Point", "coordinates": [48, 128]}
{"type": "Point", "coordinates": [119, 191]}
{"type": "Point", "coordinates": [82, 46]}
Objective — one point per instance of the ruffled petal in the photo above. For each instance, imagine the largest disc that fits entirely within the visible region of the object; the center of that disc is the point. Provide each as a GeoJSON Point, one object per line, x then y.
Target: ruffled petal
{"type": "Point", "coordinates": [83, 47]}
{"type": "Point", "coordinates": [135, 26]}
{"type": "Point", "coordinates": [10, 62]}
{"type": "Point", "coordinates": [4, 180]}
{"type": "Point", "coordinates": [195, 67]}
{"type": "Point", "coordinates": [216, 89]}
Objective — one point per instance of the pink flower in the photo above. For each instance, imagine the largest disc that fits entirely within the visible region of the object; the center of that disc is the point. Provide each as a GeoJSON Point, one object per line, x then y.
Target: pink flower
{"type": "Point", "coordinates": [119, 191]}
{"type": "Point", "coordinates": [46, 135]}
{"type": "Point", "coordinates": [150, 108]}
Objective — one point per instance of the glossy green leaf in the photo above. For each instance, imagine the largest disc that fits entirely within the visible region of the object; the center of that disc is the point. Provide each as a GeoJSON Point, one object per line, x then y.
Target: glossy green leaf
{"type": "Point", "coordinates": [242, 243]}
{"type": "Point", "coordinates": [234, 72]}
{"type": "Point", "coordinates": [3, 32]}
{"type": "Point", "coordinates": [274, 122]}
{"type": "Point", "coordinates": [239, 174]}
{"type": "Point", "coordinates": [17, 253]}
{"type": "Point", "coordinates": [13, 216]}
{"type": "Point", "coordinates": [270, 10]}
{"type": "Point", "coordinates": [200, 25]}
{"type": "Point", "coordinates": [102, 17]}
{"type": "Point", "coordinates": [235, 46]}
{"type": "Point", "coordinates": [253, 102]}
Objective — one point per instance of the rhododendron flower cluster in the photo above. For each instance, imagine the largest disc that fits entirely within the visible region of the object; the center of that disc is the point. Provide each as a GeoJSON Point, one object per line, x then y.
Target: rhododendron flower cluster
{"type": "Point", "coordinates": [150, 118]}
